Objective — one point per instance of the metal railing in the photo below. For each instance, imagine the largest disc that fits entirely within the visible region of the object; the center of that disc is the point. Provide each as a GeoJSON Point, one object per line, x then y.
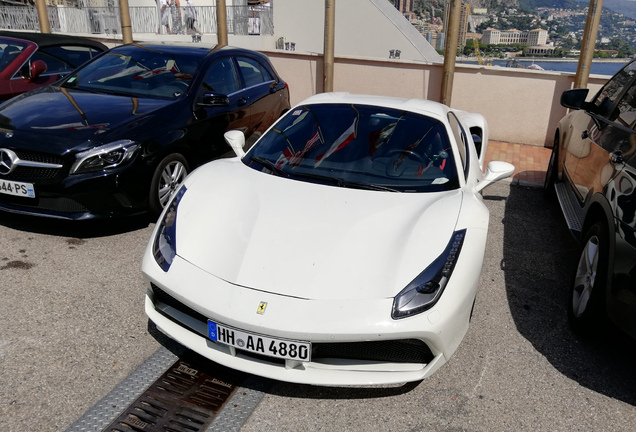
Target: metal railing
{"type": "Point", "coordinates": [241, 20]}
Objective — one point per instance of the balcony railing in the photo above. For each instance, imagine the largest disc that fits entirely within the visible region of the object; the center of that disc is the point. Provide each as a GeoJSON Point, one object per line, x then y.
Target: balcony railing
{"type": "Point", "coordinates": [241, 20]}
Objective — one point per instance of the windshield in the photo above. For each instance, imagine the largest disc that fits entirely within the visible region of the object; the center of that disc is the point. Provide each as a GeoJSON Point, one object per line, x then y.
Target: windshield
{"type": "Point", "coordinates": [358, 146]}
{"type": "Point", "coordinates": [137, 71]}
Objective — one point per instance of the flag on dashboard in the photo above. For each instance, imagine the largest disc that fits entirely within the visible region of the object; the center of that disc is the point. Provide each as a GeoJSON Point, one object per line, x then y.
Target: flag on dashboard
{"type": "Point", "coordinates": [344, 139]}
{"type": "Point", "coordinates": [297, 158]}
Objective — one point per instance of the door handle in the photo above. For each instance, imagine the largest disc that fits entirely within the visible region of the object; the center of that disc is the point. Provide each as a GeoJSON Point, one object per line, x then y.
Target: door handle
{"type": "Point", "coordinates": [585, 134]}
{"type": "Point", "coordinates": [241, 101]}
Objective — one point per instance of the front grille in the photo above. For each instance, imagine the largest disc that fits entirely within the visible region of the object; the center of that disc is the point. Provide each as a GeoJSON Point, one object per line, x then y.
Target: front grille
{"type": "Point", "coordinates": [390, 351]}
{"type": "Point", "coordinates": [165, 298]}
{"type": "Point", "coordinates": [32, 174]}
{"type": "Point", "coordinates": [39, 157]}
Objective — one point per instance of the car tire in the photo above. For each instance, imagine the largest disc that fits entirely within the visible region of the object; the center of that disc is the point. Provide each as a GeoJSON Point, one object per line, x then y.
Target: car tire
{"type": "Point", "coordinates": [551, 174]}
{"type": "Point", "coordinates": [168, 175]}
{"type": "Point", "coordinates": [586, 309]}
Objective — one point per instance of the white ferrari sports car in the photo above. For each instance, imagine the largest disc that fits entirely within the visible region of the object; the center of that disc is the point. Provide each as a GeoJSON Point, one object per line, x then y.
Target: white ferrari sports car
{"type": "Point", "coordinates": [344, 248]}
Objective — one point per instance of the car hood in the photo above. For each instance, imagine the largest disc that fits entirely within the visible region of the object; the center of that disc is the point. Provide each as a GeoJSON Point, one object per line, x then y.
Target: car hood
{"type": "Point", "coordinates": [308, 240]}
{"type": "Point", "coordinates": [68, 119]}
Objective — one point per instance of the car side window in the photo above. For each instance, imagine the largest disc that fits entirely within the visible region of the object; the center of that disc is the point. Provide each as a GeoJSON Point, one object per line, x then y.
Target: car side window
{"type": "Point", "coordinates": [71, 54]}
{"type": "Point", "coordinates": [53, 64]}
{"type": "Point", "coordinates": [253, 72]}
{"type": "Point", "coordinates": [221, 77]}
{"type": "Point", "coordinates": [606, 98]}
{"type": "Point", "coordinates": [625, 114]}
{"type": "Point", "coordinates": [460, 139]}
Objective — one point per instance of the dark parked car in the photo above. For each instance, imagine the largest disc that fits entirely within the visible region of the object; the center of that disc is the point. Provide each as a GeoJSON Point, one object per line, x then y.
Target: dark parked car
{"type": "Point", "coordinates": [118, 135]}
{"type": "Point", "coordinates": [32, 60]}
{"type": "Point", "coordinates": [593, 170]}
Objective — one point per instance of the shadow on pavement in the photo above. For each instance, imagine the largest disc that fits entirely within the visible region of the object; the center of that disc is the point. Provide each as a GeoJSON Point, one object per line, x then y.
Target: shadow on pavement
{"type": "Point", "coordinates": [539, 261]}
{"type": "Point", "coordinates": [76, 229]}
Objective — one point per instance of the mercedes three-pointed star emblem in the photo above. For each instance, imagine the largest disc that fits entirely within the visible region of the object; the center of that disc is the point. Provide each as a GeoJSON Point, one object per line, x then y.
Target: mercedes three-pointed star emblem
{"type": "Point", "coordinates": [7, 161]}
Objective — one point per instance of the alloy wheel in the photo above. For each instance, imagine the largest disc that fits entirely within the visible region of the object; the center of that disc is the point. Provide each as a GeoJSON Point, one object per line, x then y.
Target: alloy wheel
{"type": "Point", "coordinates": [585, 276]}
{"type": "Point", "coordinates": [172, 176]}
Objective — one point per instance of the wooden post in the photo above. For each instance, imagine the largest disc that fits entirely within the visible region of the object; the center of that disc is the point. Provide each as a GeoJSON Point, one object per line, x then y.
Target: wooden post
{"type": "Point", "coordinates": [221, 23]}
{"type": "Point", "coordinates": [587, 43]}
{"type": "Point", "coordinates": [450, 51]}
{"type": "Point", "coordinates": [328, 55]}
{"type": "Point", "coordinates": [43, 16]}
{"type": "Point", "coordinates": [126, 27]}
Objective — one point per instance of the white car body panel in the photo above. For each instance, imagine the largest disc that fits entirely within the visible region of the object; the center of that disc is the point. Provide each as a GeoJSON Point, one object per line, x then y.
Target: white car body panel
{"type": "Point", "coordinates": [309, 240]}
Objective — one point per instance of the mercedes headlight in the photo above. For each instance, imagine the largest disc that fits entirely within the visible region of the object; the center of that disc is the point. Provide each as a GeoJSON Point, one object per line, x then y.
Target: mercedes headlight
{"type": "Point", "coordinates": [424, 291]}
{"type": "Point", "coordinates": [164, 248]}
{"type": "Point", "coordinates": [106, 156]}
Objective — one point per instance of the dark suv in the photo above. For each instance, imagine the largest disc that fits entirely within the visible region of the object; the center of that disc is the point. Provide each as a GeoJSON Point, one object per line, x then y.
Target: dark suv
{"type": "Point", "coordinates": [593, 171]}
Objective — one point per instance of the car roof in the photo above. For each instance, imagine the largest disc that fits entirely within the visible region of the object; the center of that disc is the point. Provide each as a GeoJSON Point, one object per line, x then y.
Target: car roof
{"type": "Point", "coordinates": [421, 106]}
{"type": "Point", "coordinates": [189, 48]}
{"type": "Point", "coordinates": [53, 39]}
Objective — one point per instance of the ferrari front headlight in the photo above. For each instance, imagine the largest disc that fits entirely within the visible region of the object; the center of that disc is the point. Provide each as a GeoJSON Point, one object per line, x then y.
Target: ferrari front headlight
{"type": "Point", "coordinates": [164, 248]}
{"type": "Point", "coordinates": [104, 157]}
{"type": "Point", "coordinates": [424, 291]}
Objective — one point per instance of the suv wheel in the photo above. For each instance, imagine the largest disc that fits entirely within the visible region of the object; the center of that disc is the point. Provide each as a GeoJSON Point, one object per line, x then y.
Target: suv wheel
{"type": "Point", "coordinates": [586, 311]}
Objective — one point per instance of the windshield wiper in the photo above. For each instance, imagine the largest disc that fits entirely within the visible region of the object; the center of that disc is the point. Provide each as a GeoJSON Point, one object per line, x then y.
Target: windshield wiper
{"type": "Point", "coordinates": [113, 92]}
{"type": "Point", "coordinates": [367, 186]}
{"type": "Point", "coordinates": [323, 179]}
{"type": "Point", "coordinates": [70, 87]}
{"type": "Point", "coordinates": [269, 165]}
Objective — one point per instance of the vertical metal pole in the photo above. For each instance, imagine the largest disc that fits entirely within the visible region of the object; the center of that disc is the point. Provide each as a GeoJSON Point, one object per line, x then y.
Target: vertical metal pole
{"type": "Point", "coordinates": [450, 51]}
{"type": "Point", "coordinates": [221, 22]}
{"type": "Point", "coordinates": [43, 16]}
{"type": "Point", "coordinates": [587, 43]}
{"type": "Point", "coordinates": [328, 55]}
{"type": "Point", "coordinates": [126, 27]}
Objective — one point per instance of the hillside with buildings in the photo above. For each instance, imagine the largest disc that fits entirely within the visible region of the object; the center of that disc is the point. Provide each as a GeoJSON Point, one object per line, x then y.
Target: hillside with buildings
{"type": "Point", "coordinates": [528, 27]}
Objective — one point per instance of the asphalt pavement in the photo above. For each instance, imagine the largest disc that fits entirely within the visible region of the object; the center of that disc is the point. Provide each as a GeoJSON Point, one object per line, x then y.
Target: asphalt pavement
{"type": "Point", "coordinates": [72, 327]}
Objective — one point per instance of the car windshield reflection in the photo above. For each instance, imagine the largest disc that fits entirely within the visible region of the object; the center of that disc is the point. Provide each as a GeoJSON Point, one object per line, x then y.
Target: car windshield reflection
{"type": "Point", "coordinates": [140, 73]}
{"type": "Point", "coordinates": [360, 147]}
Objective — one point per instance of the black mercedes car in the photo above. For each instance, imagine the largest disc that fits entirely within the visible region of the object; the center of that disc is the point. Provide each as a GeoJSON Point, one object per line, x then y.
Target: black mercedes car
{"type": "Point", "coordinates": [119, 134]}
{"type": "Point", "coordinates": [593, 171]}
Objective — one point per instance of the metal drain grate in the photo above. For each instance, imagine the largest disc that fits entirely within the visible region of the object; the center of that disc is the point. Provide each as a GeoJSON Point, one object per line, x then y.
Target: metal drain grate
{"type": "Point", "coordinates": [183, 399]}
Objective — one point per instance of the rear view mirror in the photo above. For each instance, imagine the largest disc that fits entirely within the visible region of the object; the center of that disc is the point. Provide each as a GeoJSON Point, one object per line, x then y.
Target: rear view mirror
{"type": "Point", "coordinates": [495, 171]}
{"type": "Point", "coordinates": [574, 98]}
{"type": "Point", "coordinates": [236, 140]}
{"type": "Point", "coordinates": [212, 100]}
{"type": "Point", "coordinates": [38, 67]}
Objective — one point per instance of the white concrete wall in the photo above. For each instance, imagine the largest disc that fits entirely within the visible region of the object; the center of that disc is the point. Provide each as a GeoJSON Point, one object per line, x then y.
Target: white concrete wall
{"type": "Point", "coordinates": [521, 106]}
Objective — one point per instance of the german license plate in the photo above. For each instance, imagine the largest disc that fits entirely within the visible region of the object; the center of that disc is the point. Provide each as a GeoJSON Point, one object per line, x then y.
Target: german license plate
{"type": "Point", "coordinates": [17, 188]}
{"type": "Point", "coordinates": [265, 345]}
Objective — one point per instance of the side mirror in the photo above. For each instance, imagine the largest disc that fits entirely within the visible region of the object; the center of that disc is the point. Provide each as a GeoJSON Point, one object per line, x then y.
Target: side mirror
{"type": "Point", "coordinates": [38, 67]}
{"type": "Point", "coordinates": [236, 140]}
{"type": "Point", "coordinates": [495, 171]}
{"type": "Point", "coordinates": [574, 98]}
{"type": "Point", "coordinates": [212, 100]}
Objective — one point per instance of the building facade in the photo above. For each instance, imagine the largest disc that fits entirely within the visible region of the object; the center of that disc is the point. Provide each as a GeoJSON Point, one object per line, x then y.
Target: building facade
{"type": "Point", "coordinates": [537, 37]}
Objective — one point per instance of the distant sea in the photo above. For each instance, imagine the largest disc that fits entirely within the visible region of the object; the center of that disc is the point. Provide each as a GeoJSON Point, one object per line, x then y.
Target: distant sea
{"type": "Point", "coordinates": [598, 67]}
